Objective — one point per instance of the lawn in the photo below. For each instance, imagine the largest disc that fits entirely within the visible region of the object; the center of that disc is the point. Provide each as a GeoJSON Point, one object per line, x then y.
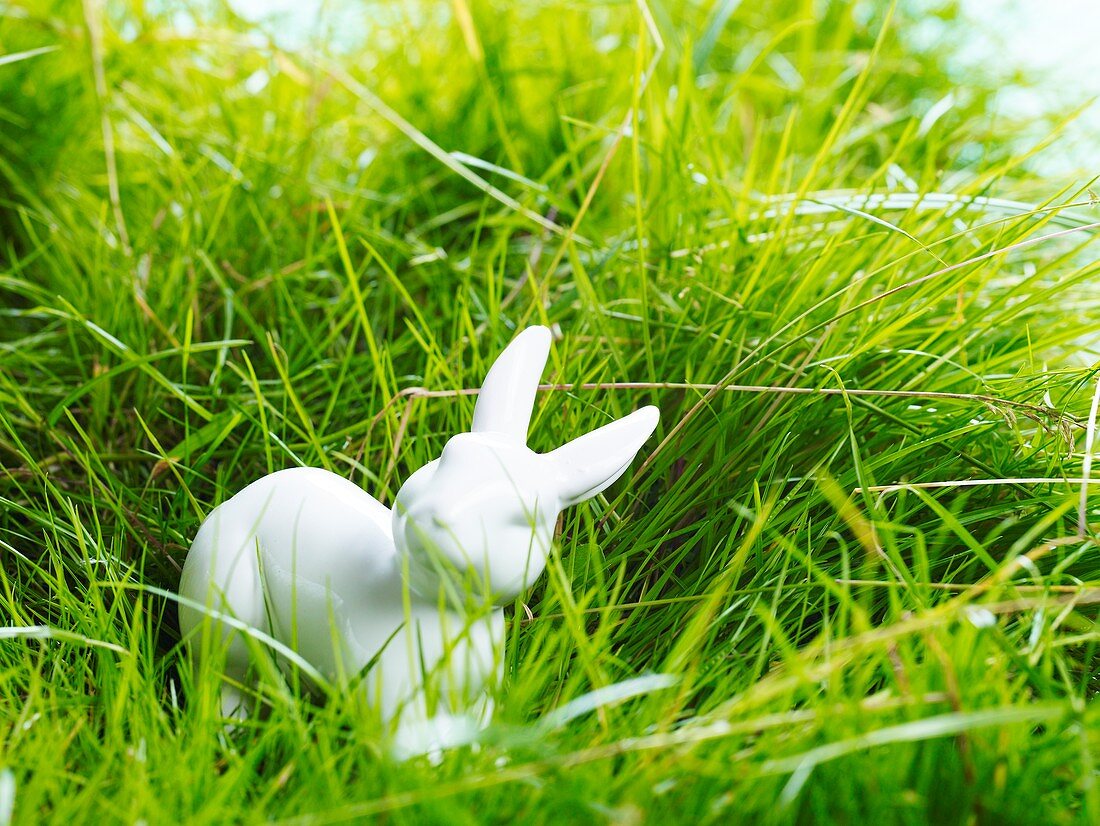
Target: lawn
{"type": "Point", "coordinates": [853, 577]}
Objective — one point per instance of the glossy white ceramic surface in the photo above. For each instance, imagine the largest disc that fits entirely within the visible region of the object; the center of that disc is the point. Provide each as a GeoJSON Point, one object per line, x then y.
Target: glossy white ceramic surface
{"type": "Point", "coordinates": [405, 603]}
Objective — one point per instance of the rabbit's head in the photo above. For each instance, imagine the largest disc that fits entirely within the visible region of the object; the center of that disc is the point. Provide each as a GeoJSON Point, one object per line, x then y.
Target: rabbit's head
{"type": "Point", "coordinates": [479, 520]}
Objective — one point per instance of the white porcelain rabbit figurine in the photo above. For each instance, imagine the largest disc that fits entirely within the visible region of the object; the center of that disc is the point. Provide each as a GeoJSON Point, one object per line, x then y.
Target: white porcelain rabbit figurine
{"type": "Point", "coordinates": [406, 601]}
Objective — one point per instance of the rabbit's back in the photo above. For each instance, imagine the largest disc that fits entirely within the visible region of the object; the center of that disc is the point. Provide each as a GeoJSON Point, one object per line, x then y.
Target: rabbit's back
{"type": "Point", "coordinates": [302, 526]}
{"type": "Point", "coordinates": [316, 522]}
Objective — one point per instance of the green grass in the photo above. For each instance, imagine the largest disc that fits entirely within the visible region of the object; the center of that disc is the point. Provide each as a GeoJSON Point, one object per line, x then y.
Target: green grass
{"type": "Point", "coordinates": [278, 245]}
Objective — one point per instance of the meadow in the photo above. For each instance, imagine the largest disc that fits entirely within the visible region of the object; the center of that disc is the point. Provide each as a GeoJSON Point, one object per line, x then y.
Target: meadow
{"type": "Point", "coordinates": [854, 576]}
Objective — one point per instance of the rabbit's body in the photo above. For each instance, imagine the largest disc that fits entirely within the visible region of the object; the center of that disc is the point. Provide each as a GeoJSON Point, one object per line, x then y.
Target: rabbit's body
{"type": "Point", "coordinates": [308, 557]}
{"type": "Point", "coordinates": [403, 603]}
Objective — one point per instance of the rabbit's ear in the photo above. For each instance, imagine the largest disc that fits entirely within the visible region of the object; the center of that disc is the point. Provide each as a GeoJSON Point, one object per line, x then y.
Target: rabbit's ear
{"type": "Point", "coordinates": [591, 462]}
{"type": "Point", "coordinates": [508, 392]}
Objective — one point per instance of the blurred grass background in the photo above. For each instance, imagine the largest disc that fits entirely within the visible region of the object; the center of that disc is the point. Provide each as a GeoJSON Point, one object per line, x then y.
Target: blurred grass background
{"type": "Point", "coordinates": [857, 548]}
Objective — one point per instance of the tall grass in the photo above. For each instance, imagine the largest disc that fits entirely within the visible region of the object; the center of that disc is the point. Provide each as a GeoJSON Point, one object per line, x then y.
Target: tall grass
{"type": "Point", "coordinates": [854, 576]}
